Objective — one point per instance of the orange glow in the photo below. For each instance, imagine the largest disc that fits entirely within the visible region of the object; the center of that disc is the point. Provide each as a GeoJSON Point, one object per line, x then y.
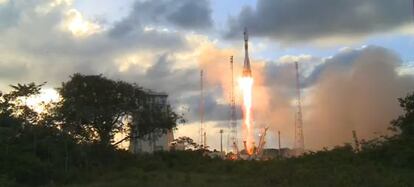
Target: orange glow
{"type": "Point", "coordinates": [246, 84]}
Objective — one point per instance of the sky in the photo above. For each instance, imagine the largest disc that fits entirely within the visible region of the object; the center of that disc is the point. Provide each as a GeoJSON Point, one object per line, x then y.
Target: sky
{"type": "Point", "coordinates": [355, 56]}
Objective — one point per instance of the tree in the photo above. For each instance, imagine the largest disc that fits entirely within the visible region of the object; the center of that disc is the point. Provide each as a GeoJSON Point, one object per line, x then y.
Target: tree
{"type": "Point", "coordinates": [13, 108]}
{"type": "Point", "coordinates": [186, 141]}
{"type": "Point", "coordinates": [154, 119]}
{"type": "Point", "coordinates": [94, 108]}
{"type": "Point", "coordinates": [405, 123]}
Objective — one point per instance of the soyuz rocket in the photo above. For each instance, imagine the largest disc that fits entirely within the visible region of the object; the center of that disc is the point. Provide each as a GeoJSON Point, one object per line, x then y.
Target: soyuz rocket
{"type": "Point", "coordinates": [247, 72]}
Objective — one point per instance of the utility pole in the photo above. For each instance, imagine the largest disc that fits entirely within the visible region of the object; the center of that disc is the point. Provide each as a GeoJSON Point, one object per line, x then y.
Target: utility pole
{"type": "Point", "coordinates": [221, 140]}
{"type": "Point", "coordinates": [205, 140]}
{"type": "Point", "coordinates": [278, 132]}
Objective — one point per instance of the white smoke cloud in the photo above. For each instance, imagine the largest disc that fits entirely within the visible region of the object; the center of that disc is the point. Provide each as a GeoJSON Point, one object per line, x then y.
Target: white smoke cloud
{"type": "Point", "coordinates": [353, 90]}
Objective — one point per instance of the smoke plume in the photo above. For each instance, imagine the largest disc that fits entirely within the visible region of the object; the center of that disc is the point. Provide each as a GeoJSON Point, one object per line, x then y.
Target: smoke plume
{"type": "Point", "coordinates": [355, 94]}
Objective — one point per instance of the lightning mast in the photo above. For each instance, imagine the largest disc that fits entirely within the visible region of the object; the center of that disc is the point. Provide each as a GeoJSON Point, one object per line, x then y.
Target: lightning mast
{"type": "Point", "coordinates": [202, 140]}
{"type": "Point", "coordinates": [233, 118]}
{"type": "Point", "coordinates": [354, 135]}
{"type": "Point", "coordinates": [299, 140]}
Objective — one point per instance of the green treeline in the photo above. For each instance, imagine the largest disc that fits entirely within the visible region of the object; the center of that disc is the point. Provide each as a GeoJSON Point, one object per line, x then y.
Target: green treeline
{"type": "Point", "coordinates": [75, 134]}
{"type": "Point", "coordinates": [71, 144]}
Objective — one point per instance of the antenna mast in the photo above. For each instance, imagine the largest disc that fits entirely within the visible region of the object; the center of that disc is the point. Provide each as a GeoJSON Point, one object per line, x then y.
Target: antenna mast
{"type": "Point", "coordinates": [299, 140]}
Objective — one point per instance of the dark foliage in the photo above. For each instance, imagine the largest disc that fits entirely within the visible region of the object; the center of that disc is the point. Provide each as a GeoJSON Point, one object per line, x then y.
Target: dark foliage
{"type": "Point", "coordinates": [35, 154]}
{"type": "Point", "coordinates": [94, 108]}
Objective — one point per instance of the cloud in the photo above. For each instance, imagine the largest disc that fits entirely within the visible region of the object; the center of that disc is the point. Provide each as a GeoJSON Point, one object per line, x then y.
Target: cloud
{"type": "Point", "coordinates": [178, 74]}
{"type": "Point", "coordinates": [360, 95]}
{"type": "Point", "coordinates": [51, 52]}
{"type": "Point", "coordinates": [184, 14]}
{"type": "Point", "coordinates": [292, 58]}
{"type": "Point", "coordinates": [9, 14]}
{"type": "Point", "coordinates": [48, 5]}
{"type": "Point", "coordinates": [192, 14]}
{"type": "Point", "coordinates": [353, 90]}
{"type": "Point", "coordinates": [62, 42]}
{"type": "Point", "coordinates": [303, 20]}
{"type": "Point", "coordinates": [13, 12]}
{"type": "Point", "coordinates": [78, 26]}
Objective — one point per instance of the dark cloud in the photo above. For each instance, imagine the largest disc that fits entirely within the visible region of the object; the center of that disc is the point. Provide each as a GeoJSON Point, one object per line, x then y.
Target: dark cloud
{"type": "Point", "coordinates": [163, 77]}
{"type": "Point", "coordinates": [213, 110]}
{"type": "Point", "coordinates": [301, 20]}
{"type": "Point", "coordinates": [192, 14]}
{"type": "Point", "coordinates": [9, 72]}
{"type": "Point", "coordinates": [185, 14]}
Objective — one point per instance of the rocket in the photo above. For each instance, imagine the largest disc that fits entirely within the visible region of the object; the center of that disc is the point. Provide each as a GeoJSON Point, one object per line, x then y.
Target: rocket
{"type": "Point", "coordinates": [247, 72]}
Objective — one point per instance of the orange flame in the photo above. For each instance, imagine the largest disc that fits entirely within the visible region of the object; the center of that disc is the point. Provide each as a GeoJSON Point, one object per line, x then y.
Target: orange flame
{"type": "Point", "coordinates": [246, 84]}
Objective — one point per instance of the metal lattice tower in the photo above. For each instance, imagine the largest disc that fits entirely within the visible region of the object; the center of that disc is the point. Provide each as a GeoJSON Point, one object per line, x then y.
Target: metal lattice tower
{"type": "Point", "coordinates": [299, 140]}
{"type": "Point", "coordinates": [233, 118]}
{"type": "Point", "coordinates": [202, 140]}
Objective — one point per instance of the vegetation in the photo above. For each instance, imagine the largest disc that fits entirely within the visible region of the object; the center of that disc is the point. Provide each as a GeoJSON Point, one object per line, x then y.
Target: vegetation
{"type": "Point", "coordinates": [71, 146]}
{"type": "Point", "coordinates": [94, 108]}
{"type": "Point", "coordinates": [187, 143]}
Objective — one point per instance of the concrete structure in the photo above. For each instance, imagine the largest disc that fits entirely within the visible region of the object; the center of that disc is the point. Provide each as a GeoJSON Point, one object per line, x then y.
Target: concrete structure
{"type": "Point", "coordinates": [178, 146]}
{"type": "Point", "coordinates": [153, 142]}
{"type": "Point", "coordinates": [158, 140]}
{"type": "Point", "coordinates": [269, 154]}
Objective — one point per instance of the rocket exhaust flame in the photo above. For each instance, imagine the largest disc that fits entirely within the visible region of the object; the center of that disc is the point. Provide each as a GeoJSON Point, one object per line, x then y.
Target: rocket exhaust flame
{"type": "Point", "coordinates": [246, 85]}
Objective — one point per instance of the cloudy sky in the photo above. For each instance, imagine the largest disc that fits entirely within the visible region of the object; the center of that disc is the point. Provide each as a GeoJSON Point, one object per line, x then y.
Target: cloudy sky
{"type": "Point", "coordinates": [356, 57]}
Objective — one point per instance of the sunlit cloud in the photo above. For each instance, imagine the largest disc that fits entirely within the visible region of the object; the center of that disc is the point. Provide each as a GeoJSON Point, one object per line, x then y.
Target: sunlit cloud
{"type": "Point", "coordinates": [406, 29]}
{"type": "Point", "coordinates": [407, 69]}
{"type": "Point", "coordinates": [292, 58]}
{"type": "Point", "coordinates": [50, 5]}
{"type": "Point", "coordinates": [3, 1]}
{"type": "Point", "coordinates": [157, 29]}
{"type": "Point", "coordinates": [78, 26]}
{"type": "Point", "coordinates": [46, 96]}
{"type": "Point", "coordinates": [187, 59]}
{"type": "Point", "coordinates": [141, 61]}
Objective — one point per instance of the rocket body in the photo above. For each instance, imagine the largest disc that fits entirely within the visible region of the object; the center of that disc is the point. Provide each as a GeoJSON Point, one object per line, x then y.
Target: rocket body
{"type": "Point", "coordinates": [247, 72]}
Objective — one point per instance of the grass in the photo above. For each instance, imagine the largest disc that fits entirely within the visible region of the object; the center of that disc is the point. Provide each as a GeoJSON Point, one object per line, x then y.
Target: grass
{"type": "Point", "coordinates": [323, 169]}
